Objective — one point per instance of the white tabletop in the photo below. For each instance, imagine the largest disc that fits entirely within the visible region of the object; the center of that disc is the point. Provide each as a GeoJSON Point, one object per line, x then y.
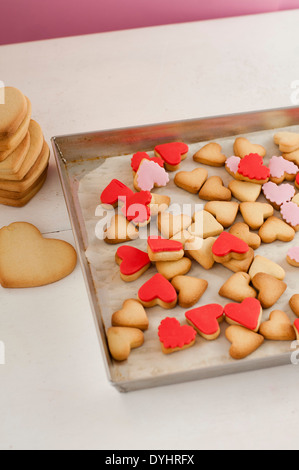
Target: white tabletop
{"type": "Point", "coordinates": [54, 392]}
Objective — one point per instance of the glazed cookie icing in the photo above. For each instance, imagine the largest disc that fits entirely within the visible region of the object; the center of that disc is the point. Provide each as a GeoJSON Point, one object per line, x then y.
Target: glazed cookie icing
{"type": "Point", "coordinates": [290, 213]}
{"type": "Point", "coordinates": [151, 174]}
{"type": "Point", "coordinates": [293, 253]}
{"type": "Point", "coordinates": [279, 166]}
{"type": "Point", "coordinates": [278, 194]}
{"type": "Point", "coordinates": [232, 163]}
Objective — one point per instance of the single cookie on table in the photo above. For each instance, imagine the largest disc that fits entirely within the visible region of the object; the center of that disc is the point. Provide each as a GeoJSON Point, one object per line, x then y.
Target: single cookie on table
{"type": "Point", "coordinates": [232, 164]}
{"type": "Point", "coordinates": [255, 213]}
{"type": "Point", "coordinates": [157, 291]}
{"type": "Point", "coordinates": [114, 193]}
{"type": "Point", "coordinates": [206, 320]}
{"type": "Point", "coordinates": [175, 337]}
{"type": "Point", "coordinates": [248, 314]}
{"type": "Point", "coordinates": [252, 169]}
{"type": "Point", "coordinates": [162, 249]}
{"type": "Point", "coordinates": [294, 304]}
{"type": "Point", "coordinates": [276, 229]}
{"type": "Point", "coordinates": [169, 224]}
{"type": "Point", "coordinates": [237, 288]}
{"type": "Point", "coordinates": [287, 141]}
{"type": "Point", "coordinates": [296, 328]}
{"type": "Point", "coordinates": [132, 262]}
{"type": "Point", "coordinates": [290, 213]}
{"type": "Point", "coordinates": [244, 191]}
{"type": "Point", "coordinates": [241, 230]}
{"type": "Point", "coordinates": [282, 169]}
{"type": "Point", "coordinates": [278, 327]}
{"type": "Point", "coordinates": [27, 259]}
{"type": "Point", "coordinates": [244, 342]}
{"type": "Point", "coordinates": [172, 154]}
{"type": "Point", "coordinates": [214, 190]}
{"type": "Point", "coordinates": [278, 195]}
{"type": "Point", "coordinates": [225, 212]}
{"type": "Point", "coordinates": [211, 154]}
{"type": "Point", "coordinates": [269, 288]}
{"type": "Point", "coordinates": [242, 265]}
{"type": "Point", "coordinates": [200, 250]}
{"type": "Point", "coordinates": [150, 175]}
{"type": "Point", "coordinates": [205, 225]}
{"type": "Point", "coordinates": [293, 256]}
{"type": "Point", "coordinates": [190, 290]}
{"type": "Point", "coordinates": [159, 204]}
{"type": "Point", "coordinates": [136, 208]}
{"type": "Point", "coordinates": [120, 231]}
{"type": "Point", "coordinates": [191, 181]}
{"type": "Point", "coordinates": [264, 265]}
{"type": "Point", "coordinates": [171, 269]}
{"type": "Point", "coordinates": [243, 147]}
{"type": "Point", "coordinates": [228, 247]}
{"type": "Point", "coordinates": [292, 157]}
{"type": "Point", "coordinates": [121, 340]}
{"type": "Point", "coordinates": [139, 157]}
{"type": "Point", "coordinates": [131, 315]}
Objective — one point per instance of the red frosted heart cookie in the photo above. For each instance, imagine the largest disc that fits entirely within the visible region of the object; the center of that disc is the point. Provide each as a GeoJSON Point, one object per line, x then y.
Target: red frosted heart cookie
{"type": "Point", "coordinates": [227, 247]}
{"type": "Point", "coordinates": [162, 249]}
{"type": "Point", "coordinates": [172, 154]}
{"type": "Point", "coordinates": [175, 337]}
{"type": "Point", "coordinates": [113, 192]}
{"type": "Point", "coordinates": [206, 320]}
{"type": "Point", "coordinates": [136, 208]}
{"type": "Point", "coordinates": [133, 262]}
{"type": "Point", "coordinates": [247, 314]}
{"type": "Point", "coordinates": [158, 291]}
{"type": "Point", "coordinates": [251, 168]}
{"type": "Point", "coordinates": [139, 156]}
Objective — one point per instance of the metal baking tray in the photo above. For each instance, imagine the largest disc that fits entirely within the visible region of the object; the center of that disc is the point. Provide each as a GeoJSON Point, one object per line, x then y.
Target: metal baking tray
{"type": "Point", "coordinates": [77, 155]}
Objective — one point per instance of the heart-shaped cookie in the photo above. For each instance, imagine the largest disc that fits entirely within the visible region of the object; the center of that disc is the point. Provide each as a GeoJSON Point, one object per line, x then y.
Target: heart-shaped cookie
{"type": "Point", "coordinates": [158, 291]}
{"type": "Point", "coordinates": [240, 265]}
{"type": "Point", "coordinates": [172, 154]}
{"type": "Point", "coordinates": [139, 156]}
{"type": "Point", "coordinates": [132, 262]}
{"type": "Point", "coordinates": [290, 214]}
{"type": "Point", "coordinates": [224, 211]}
{"type": "Point", "coordinates": [265, 265]}
{"type": "Point", "coordinates": [113, 192]}
{"type": "Point", "coordinates": [120, 231]}
{"type": "Point", "coordinates": [282, 169]}
{"type": "Point", "coordinates": [245, 191]}
{"type": "Point", "coordinates": [247, 314]}
{"type": "Point", "coordinates": [136, 208]}
{"type": "Point", "coordinates": [206, 320]}
{"type": "Point", "coordinates": [294, 304]}
{"type": "Point", "coordinates": [276, 229]}
{"type": "Point", "coordinates": [242, 231]}
{"type": "Point", "coordinates": [278, 327]}
{"type": "Point", "coordinates": [162, 249]}
{"type": "Point", "coordinates": [293, 256]}
{"type": "Point", "coordinates": [150, 175]}
{"type": "Point", "coordinates": [244, 342]}
{"type": "Point", "coordinates": [121, 340]}
{"type": "Point", "coordinates": [13, 111]}
{"type": "Point", "coordinates": [211, 154]}
{"type": "Point", "coordinates": [131, 315]}
{"type": "Point", "coordinates": [29, 260]}
{"type": "Point", "coordinates": [174, 336]}
{"type": "Point", "coordinates": [278, 195]}
{"type": "Point", "coordinates": [191, 181]}
{"type": "Point", "coordinates": [255, 213]}
{"type": "Point", "coordinates": [270, 289]}
{"type": "Point", "coordinates": [214, 190]}
{"type": "Point", "coordinates": [200, 250]}
{"type": "Point", "coordinates": [170, 269]}
{"type": "Point", "coordinates": [237, 288]}
{"type": "Point", "coordinates": [159, 203]}
{"type": "Point", "coordinates": [227, 246]}
{"type": "Point", "coordinates": [190, 289]}
{"type": "Point", "coordinates": [169, 224]}
{"type": "Point", "coordinates": [205, 225]}
{"type": "Point", "coordinates": [287, 141]}
{"type": "Point", "coordinates": [243, 147]}
{"type": "Point", "coordinates": [251, 168]}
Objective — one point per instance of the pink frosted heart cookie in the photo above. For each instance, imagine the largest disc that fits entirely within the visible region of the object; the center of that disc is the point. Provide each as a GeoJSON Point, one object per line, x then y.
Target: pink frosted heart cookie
{"type": "Point", "coordinates": [293, 256]}
{"type": "Point", "coordinates": [281, 169]}
{"type": "Point", "coordinates": [150, 175]}
{"type": "Point", "coordinates": [290, 214]}
{"type": "Point", "coordinates": [278, 195]}
{"type": "Point", "coordinates": [232, 165]}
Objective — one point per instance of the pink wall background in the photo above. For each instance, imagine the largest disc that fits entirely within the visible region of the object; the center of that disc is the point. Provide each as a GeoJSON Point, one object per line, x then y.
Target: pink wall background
{"type": "Point", "coordinates": [29, 20]}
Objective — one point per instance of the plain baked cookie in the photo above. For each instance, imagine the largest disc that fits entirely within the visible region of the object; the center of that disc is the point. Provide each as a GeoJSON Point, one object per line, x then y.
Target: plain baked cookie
{"type": "Point", "coordinates": [29, 260]}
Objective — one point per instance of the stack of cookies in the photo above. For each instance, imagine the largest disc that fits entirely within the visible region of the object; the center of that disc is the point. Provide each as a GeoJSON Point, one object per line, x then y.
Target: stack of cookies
{"type": "Point", "coordinates": [24, 154]}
